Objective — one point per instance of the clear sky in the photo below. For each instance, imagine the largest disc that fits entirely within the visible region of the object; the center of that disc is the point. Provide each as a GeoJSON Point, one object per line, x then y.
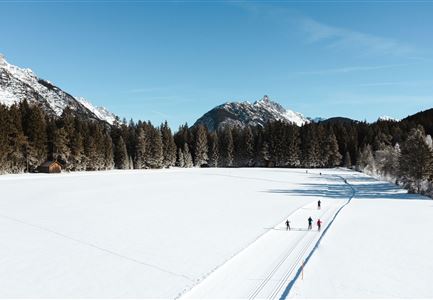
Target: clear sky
{"type": "Point", "coordinates": [165, 60]}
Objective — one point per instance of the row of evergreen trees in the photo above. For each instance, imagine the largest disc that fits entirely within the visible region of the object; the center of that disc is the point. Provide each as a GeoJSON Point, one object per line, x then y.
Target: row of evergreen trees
{"type": "Point", "coordinates": [409, 164]}
{"type": "Point", "coordinates": [28, 136]}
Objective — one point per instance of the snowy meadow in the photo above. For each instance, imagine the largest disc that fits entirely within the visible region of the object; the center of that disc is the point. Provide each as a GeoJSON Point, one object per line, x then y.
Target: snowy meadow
{"type": "Point", "coordinates": [180, 232]}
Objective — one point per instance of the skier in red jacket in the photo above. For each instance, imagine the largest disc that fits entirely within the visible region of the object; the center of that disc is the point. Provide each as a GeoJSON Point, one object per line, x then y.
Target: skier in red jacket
{"type": "Point", "coordinates": [319, 224]}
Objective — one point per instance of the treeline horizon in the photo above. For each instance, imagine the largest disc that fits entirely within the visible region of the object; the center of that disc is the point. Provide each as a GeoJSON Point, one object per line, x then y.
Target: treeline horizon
{"type": "Point", "coordinates": [29, 137]}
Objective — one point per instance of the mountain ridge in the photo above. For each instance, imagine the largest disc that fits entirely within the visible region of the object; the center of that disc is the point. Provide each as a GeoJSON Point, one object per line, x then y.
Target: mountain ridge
{"type": "Point", "coordinates": [245, 113]}
{"type": "Point", "coordinates": [19, 84]}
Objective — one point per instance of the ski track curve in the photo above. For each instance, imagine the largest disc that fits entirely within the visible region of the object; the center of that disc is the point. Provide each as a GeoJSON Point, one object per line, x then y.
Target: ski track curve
{"type": "Point", "coordinates": [301, 256]}
{"type": "Point", "coordinates": [299, 272]}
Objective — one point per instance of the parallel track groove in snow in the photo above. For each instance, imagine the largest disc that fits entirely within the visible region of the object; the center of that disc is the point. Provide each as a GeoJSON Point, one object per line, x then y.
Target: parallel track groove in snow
{"type": "Point", "coordinates": [298, 273]}
{"type": "Point", "coordinates": [236, 278]}
{"type": "Point", "coordinates": [297, 262]}
{"type": "Point", "coordinates": [278, 265]}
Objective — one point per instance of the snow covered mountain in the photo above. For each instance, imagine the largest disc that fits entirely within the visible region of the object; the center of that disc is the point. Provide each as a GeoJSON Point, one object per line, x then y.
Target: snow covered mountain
{"type": "Point", "coordinates": [249, 114]}
{"type": "Point", "coordinates": [18, 84]}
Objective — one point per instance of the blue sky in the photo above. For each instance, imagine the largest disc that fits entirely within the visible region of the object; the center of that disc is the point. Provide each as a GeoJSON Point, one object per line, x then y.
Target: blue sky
{"type": "Point", "coordinates": [164, 60]}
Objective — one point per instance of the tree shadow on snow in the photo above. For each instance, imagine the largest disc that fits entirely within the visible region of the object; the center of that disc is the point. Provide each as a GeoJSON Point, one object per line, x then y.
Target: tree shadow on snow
{"type": "Point", "coordinates": [372, 189]}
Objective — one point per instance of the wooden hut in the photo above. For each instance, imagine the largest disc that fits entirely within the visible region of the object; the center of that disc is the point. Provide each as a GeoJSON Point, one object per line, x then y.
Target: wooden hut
{"type": "Point", "coordinates": [50, 167]}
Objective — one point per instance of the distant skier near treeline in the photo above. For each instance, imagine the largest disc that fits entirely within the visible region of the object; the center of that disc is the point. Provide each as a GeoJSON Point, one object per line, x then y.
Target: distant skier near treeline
{"type": "Point", "coordinates": [319, 224]}
{"type": "Point", "coordinates": [287, 225]}
{"type": "Point", "coordinates": [310, 223]}
{"type": "Point", "coordinates": [319, 204]}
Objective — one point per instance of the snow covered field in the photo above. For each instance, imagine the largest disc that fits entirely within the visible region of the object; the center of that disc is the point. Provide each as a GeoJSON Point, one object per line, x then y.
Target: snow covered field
{"type": "Point", "coordinates": [380, 246]}
{"type": "Point", "coordinates": [183, 232]}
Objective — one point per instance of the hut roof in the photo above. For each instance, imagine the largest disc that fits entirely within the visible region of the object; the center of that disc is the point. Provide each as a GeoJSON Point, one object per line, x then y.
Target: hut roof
{"type": "Point", "coordinates": [49, 163]}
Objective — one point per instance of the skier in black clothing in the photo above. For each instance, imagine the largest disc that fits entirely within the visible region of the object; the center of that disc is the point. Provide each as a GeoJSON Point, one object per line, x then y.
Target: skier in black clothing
{"type": "Point", "coordinates": [310, 223]}
{"type": "Point", "coordinates": [287, 225]}
{"type": "Point", "coordinates": [319, 204]}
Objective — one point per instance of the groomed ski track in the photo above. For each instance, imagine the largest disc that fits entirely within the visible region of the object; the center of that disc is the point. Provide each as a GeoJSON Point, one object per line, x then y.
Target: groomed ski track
{"type": "Point", "coordinates": [268, 268]}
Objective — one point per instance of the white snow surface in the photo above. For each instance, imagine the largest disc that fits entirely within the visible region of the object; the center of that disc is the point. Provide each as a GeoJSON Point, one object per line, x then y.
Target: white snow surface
{"type": "Point", "coordinates": [380, 246]}
{"type": "Point", "coordinates": [210, 233]}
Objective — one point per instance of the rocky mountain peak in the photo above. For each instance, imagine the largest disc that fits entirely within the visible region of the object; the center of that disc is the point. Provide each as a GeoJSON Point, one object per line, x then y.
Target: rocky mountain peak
{"type": "Point", "coordinates": [19, 84]}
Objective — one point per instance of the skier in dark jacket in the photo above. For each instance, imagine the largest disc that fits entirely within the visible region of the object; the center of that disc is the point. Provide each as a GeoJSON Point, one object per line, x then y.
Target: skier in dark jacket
{"type": "Point", "coordinates": [319, 224]}
{"type": "Point", "coordinates": [310, 223]}
{"type": "Point", "coordinates": [319, 204]}
{"type": "Point", "coordinates": [287, 225]}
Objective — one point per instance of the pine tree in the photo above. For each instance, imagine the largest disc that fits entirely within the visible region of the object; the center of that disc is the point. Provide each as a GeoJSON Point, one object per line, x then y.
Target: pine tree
{"type": "Point", "coordinates": [108, 152]}
{"type": "Point", "coordinates": [77, 159]}
{"type": "Point", "coordinates": [200, 146]}
{"type": "Point", "coordinates": [213, 149]}
{"type": "Point", "coordinates": [387, 160]}
{"type": "Point", "coordinates": [347, 160]}
{"type": "Point", "coordinates": [168, 146]}
{"type": "Point", "coordinates": [334, 156]}
{"type": "Point", "coordinates": [15, 141]}
{"type": "Point", "coordinates": [226, 147]}
{"type": "Point", "coordinates": [310, 147]}
{"type": "Point", "coordinates": [141, 150]}
{"type": "Point", "coordinates": [416, 159]}
{"type": "Point", "coordinates": [180, 162]}
{"type": "Point", "coordinates": [248, 146]}
{"type": "Point", "coordinates": [264, 153]}
{"type": "Point", "coordinates": [187, 156]}
{"type": "Point", "coordinates": [292, 146]}
{"type": "Point", "coordinates": [98, 157]}
{"type": "Point", "coordinates": [34, 127]}
{"type": "Point", "coordinates": [4, 139]}
{"type": "Point", "coordinates": [154, 158]}
{"type": "Point", "coordinates": [121, 159]}
{"type": "Point", "coordinates": [61, 151]}
{"type": "Point", "coordinates": [366, 160]}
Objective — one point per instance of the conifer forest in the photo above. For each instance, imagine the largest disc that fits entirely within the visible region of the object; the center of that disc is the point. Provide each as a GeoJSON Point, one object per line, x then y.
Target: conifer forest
{"type": "Point", "coordinates": [400, 152]}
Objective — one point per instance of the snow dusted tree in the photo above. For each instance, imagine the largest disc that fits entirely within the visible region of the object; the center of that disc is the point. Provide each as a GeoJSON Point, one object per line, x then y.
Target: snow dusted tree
{"type": "Point", "coordinates": [61, 151]}
{"type": "Point", "coordinates": [98, 157]}
{"type": "Point", "coordinates": [292, 148]}
{"type": "Point", "coordinates": [367, 162]}
{"type": "Point", "coordinates": [200, 146]}
{"type": "Point", "coordinates": [180, 162]}
{"type": "Point", "coordinates": [248, 146]}
{"type": "Point", "coordinates": [387, 160]}
{"type": "Point", "coordinates": [121, 159]}
{"type": "Point", "coordinates": [416, 159]}
{"type": "Point", "coordinates": [14, 143]}
{"type": "Point", "coordinates": [108, 153]}
{"type": "Point", "coordinates": [310, 147]}
{"type": "Point", "coordinates": [264, 154]}
{"type": "Point", "coordinates": [168, 146]}
{"type": "Point", "coordinates": [187, 156]}
{"type": "Point", "coordinates": [77, 149]}
{"type": "Point", "coordinates": [34, 127]}
{"type": "Point", "coordinates": [213, 149]}
{"type": "Point", "coordinates": [347, 160]}
{"type": "Point", "coordinates": [429, 141]}
{"type": "Point", "coordinates": [154, 159]}
{"type": "Point", "coordinates": [4, 140]}
{"type": "Point", "coordinates": [226, 147]}
{"type": "Point", "coordinates": [333, 155]}
{"type": "Point", "coordinates": [141, 150]}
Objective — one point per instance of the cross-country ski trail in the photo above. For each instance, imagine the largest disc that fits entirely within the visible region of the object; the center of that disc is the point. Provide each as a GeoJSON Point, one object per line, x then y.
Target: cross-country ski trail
{"type": "Point", "coordinates": [268, 265]}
